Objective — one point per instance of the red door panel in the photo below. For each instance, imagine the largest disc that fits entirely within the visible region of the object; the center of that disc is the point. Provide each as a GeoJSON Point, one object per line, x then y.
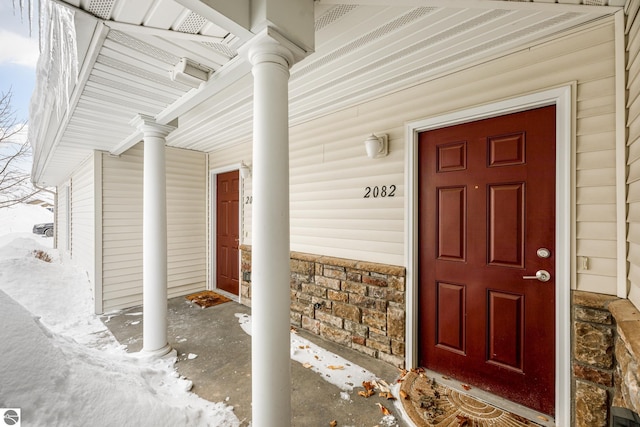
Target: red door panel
{"type": "Point", "coordinates": [451, 223]}
{"type": "Point", "coordinates": [487, 204]}
{"type": "Point", "coordinates": [505, 330]}
{"type": "Point", "coordinates": [227, 231]}
{"type": "Point", "coordinates": [506, 225]}
{"type": "Point", "coordinates": [450, 317]}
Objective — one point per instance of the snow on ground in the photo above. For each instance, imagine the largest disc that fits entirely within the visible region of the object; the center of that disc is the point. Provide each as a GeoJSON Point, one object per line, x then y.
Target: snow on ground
{"type": "Point", "coordinates": [61, 366]}
{"type": "Point", "coordinates": [21, 218]}
{"type": "Point", "coordinates": [332, 368]}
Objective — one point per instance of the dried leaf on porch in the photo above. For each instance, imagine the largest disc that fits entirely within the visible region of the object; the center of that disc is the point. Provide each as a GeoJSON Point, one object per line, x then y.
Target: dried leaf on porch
{"type": "Point", "coordinates": [466, 387]}
{"type": "Point", "coordinates": [384, 410]}
{"type": "Point", "coordinates": [335, 367]}
{"type": "Point", "coordinates": [366, 393]}
{"type": "Point", "coordinates": [368, 385]}
{"type": "Point", "coordinates": [404, 395]}
{"type": "Point", "coordinates": [542, 418]}
{"type": "Point", "coordinates": [294, 330]}
{"type": "Point", "coordinates": [333, 423]}
{"type": "Point", "coordinates": [387, 395]}
{"type": "Point", "coordinates": [307, 365]}
{"type": "Point", "coordinates": [383, 385]}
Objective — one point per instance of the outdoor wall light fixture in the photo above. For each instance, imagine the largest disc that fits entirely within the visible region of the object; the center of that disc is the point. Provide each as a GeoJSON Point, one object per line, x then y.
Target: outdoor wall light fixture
{"type": "Point", "coordinates": [189, 73]}
{"type": "Point", "coordinates": [377, 146]}
{"type": "Point", "coordinates": [245, 170]}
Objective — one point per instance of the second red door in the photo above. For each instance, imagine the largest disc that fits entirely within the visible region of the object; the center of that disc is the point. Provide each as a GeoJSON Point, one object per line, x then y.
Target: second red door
{"type": "Point", "coordinates": [227, 231]}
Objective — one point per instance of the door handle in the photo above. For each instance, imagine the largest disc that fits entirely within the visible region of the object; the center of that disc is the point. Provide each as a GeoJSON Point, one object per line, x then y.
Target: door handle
{"type": "Point", "coordinates": [541, 275]}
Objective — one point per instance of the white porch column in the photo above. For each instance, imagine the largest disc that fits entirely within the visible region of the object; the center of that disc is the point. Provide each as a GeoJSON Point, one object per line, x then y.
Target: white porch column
{"type": "Point", "coordinates": [154, 237]}
{"type": "Point", "coordinates": [270, 300]}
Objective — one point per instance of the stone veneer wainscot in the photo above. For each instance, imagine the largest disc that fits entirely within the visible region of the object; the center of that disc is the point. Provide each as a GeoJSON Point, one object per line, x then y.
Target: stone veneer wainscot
{"type": "Point", "coordinates": [358, 304]}
{"type": "Point", "coordinates": [362, 305]}
{"type": "Point", "coordinates": [606, 347]}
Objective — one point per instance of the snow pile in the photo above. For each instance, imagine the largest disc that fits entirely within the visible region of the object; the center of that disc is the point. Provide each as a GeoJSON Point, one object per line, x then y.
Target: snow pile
{"type": "Point", "coordinates": [332, 368]}
{"type": "Point", "coordinates": [61, 366]}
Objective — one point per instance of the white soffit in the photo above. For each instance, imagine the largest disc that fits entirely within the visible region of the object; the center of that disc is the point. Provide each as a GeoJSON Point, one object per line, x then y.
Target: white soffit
{"type": "Point", "coordinates": [129, 73]}
{"type": "Point", "coordinates": [361, 52]}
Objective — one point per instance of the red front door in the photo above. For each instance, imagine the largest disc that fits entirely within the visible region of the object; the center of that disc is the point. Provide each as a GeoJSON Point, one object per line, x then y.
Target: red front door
{"type": "Point", "coordinates": [487, 212]}
{"type": "Point", "coordinates": [227, 231]}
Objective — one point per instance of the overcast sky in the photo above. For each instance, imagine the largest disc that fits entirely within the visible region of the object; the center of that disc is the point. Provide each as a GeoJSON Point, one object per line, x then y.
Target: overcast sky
{"type": "Point", "coordinates": [18, 54]}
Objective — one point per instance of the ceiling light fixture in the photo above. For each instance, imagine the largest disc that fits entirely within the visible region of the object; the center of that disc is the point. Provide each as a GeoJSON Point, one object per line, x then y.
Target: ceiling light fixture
{"type": "Point", "coordinates": [189, 73]}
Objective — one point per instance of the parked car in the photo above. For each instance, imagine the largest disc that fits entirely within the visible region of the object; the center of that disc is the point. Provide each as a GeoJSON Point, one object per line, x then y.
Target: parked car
{"type": "Point", "coordinates": [45, 229]}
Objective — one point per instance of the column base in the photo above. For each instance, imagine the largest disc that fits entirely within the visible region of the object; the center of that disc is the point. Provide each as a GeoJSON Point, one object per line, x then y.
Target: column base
{"type": "Point", "coordinates": [163, 352]}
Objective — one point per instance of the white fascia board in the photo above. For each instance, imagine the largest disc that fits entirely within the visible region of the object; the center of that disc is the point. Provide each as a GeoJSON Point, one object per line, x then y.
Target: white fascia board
{"type": "Point", "coordinates": [234, 16]}
{"type": "Point", "coordinates": [159, 32]}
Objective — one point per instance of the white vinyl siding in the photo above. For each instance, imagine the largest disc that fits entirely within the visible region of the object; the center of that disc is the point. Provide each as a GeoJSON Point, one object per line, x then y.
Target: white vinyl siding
{"type": "Point", "coordinates": [633, 125]}
{"type": "Point", "coordinates": [122, 225]}
{"type": "Point", "coordinates": [83, 218]}
{"type": "Point", "coordinates": [330, 171]}
{"type": "Point", "coordinates": [63, 218]}
{"type": "Point", "coordinates": [330, 174]}
{"type": "Point", "coordinates": [122, 229]}
{"type": "Point", "coordinates": [186, 221]}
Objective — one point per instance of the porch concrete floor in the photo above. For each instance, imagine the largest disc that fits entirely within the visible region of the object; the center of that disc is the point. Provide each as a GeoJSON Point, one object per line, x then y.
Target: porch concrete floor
{"type": "Point", "coordinates": [222, 368]}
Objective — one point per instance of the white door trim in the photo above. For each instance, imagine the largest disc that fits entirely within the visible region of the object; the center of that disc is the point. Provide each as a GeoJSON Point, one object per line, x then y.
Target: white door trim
{"type": "Point", "coordinates": [562, 97]}
{"type": "Point", "coordinates": [213, 188]}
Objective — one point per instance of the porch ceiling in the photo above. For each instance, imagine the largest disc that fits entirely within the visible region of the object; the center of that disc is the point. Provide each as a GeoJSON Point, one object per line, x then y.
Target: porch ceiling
{"type": "Point", "coordinates": [364, 48]}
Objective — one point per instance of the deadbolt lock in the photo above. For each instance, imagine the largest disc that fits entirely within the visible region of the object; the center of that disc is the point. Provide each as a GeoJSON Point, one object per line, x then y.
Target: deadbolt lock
{"type": "Point", "coordinates": [543, 253]}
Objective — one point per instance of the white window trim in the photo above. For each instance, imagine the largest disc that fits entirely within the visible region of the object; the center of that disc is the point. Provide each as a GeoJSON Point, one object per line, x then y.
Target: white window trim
{"type": "Point", "coordinates": [563, 99]}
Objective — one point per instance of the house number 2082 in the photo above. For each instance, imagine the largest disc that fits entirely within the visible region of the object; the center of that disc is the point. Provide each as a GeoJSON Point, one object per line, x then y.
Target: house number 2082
{"type": "Point", "coordinates": [379, 191]}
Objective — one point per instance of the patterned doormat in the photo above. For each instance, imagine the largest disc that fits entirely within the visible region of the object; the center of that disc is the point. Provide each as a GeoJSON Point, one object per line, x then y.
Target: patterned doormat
{"type": "Point", "coordinates": [432, 404]}
{"type": "Point", "coordinates": [207, 299]}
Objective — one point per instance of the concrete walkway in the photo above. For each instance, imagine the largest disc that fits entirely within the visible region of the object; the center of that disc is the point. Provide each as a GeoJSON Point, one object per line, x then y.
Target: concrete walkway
{"type": "Point", "coordinates": [221, 370]}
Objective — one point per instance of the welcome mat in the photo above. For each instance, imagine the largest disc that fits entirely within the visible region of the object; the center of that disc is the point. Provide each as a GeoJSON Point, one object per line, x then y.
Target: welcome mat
{"type": "Point", "coordinates": [429, 403]}
{"type": "Point", "coordinates": [207, 299]}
